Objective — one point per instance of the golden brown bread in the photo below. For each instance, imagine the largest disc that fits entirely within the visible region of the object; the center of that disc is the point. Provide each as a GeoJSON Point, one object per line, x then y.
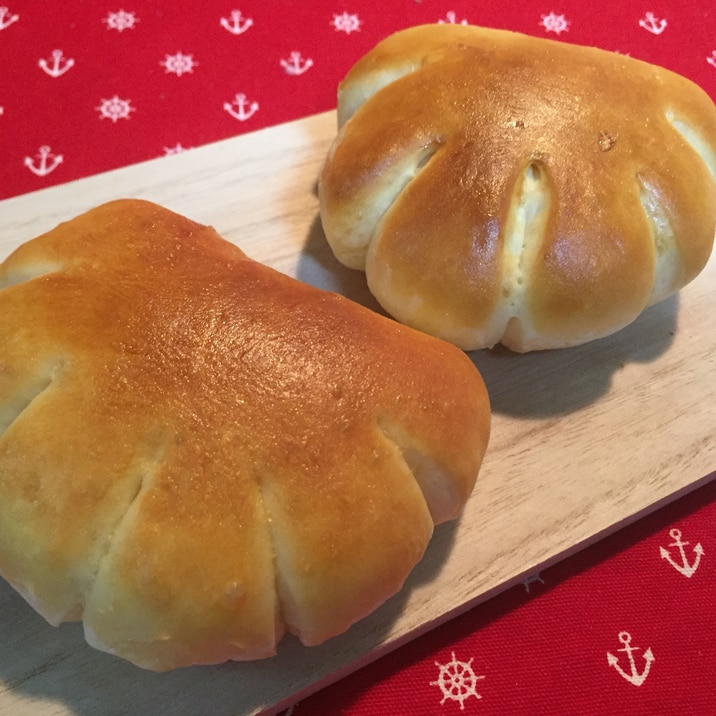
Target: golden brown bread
{"type": "Point", "coordinates": [198, 453]}
{"type": "Point", "coordinates": [497, 187]}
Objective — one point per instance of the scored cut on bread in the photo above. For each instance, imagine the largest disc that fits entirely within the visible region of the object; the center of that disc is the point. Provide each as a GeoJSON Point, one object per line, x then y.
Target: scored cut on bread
{"type": "Point", "coordinates": [501, 188]}
{"type": "Point", "coordinates": [198, 453]}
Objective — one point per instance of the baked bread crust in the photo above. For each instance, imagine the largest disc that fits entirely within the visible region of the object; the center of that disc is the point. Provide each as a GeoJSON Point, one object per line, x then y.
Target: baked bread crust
{"type": "Point", "coordinates": [198, 453]}
{"type": "Point", "coordinates": [497, 187]}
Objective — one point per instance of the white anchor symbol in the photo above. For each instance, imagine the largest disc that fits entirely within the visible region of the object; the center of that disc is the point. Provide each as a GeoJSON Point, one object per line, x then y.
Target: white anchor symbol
{"type": "Point", "coordinates": [633, 677]}
{"type": "Point", "coordinates": [712, 59]}
{"type": "Point", "coordinates": [6, 19]}
{"type": "Point", "coordinates": [297, 65]}
{"type": "Point", "coordinates": [237, 24]}
{"type": "Point", "coordinates": [685, 568]}
{"type": "Point", "coordinates": [536, 577]}
{"type": "Point", "coordinates": [57, 67]}
{"type": "Point", "coordinates": [650, 23]}
{"type": "Point", "coordinates": [244, 108]}
{"type": "Point", "coordinates": [43, 168]}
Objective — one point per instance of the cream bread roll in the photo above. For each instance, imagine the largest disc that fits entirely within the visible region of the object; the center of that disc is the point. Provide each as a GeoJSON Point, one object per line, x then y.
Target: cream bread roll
{"type": "Point", "coordinates": [499, 188]}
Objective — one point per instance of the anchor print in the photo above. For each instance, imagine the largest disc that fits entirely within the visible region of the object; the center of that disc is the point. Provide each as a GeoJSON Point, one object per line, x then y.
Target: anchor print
{"type": "Point", "coordinates": [296, 64]}
{"type": "Point", "coordinates": [7, 18]}
{"type": "Point", "coordinates": [244, 109]}
{"type": "Point", "coordinates": [236, 24]}
{"type": "Point", "coordinates": [536, 577]}
{"type": "Point", "coordinates": [633, 676]}
{"type": "Point", "coordinates": [684, 567]}
{"type": "Point", "coordinates": [47, 162]}
{"type": "Point", "coordinates": [58, 65]}
{"type": "Point", "coordinates": [652, 24]}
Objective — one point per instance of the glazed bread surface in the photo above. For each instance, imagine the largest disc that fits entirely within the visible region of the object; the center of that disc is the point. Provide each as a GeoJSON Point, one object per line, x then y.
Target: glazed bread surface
{"type": "Point", "coordinates": [497, 187]}
{"type": "Point", "coordinates": [198, 453]}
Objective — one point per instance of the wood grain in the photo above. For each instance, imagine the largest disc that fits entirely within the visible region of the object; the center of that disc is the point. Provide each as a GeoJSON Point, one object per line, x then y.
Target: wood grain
{"type": "Point", "coordinates": [584, 441]}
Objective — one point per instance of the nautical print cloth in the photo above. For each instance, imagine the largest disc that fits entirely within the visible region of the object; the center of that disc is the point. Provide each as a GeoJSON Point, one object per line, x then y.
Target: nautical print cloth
{"type": "Point", "coordinates": [90, 86]}
{"type": "Point", "coordinates": [623, 627]}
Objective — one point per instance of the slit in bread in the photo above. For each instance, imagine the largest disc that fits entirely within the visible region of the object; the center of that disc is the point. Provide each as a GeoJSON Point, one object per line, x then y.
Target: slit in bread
{"type": "Point", "coordinates": [440, 259]}
{"type": "Point", "coordinates": [206, 468]}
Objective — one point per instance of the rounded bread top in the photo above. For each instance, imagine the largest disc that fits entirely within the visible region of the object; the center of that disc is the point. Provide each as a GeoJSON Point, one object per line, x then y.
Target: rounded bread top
{"type": "Point", "coordinates": [497, 187]}
{"type": "Point", "coordinates": [198, 453]}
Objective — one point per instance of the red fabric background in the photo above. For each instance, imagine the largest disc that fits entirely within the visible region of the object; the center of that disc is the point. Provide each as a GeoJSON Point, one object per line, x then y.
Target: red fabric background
{"type": "Point", "coordinates": [61, 112]}
{"type": "Point", "coordinates": [539, 648]}
{"type": "Point", "coordinates": [543, 651]}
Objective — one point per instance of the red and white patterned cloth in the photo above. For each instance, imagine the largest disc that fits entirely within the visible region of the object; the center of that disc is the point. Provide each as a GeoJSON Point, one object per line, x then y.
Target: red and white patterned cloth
{"type": "Point", "coordinates": [558, 644]}
{"type": "Point", "coordinates": [88, 87]}
{"type": "Point", "coordinates": [622, 628]}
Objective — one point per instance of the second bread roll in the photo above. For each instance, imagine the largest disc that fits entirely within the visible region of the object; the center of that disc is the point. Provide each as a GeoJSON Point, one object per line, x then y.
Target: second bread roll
{"type": "Point", "coordinates": [497, 187]}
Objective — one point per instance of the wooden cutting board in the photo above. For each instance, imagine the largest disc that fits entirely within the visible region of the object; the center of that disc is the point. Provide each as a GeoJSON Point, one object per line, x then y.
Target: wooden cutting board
{"type": "Point", "coordinates": [584, 441]}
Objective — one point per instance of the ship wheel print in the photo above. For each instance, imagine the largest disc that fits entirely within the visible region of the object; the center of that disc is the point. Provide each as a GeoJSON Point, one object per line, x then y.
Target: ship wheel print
{"type": "Point", "coordinates": [457, 681]}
